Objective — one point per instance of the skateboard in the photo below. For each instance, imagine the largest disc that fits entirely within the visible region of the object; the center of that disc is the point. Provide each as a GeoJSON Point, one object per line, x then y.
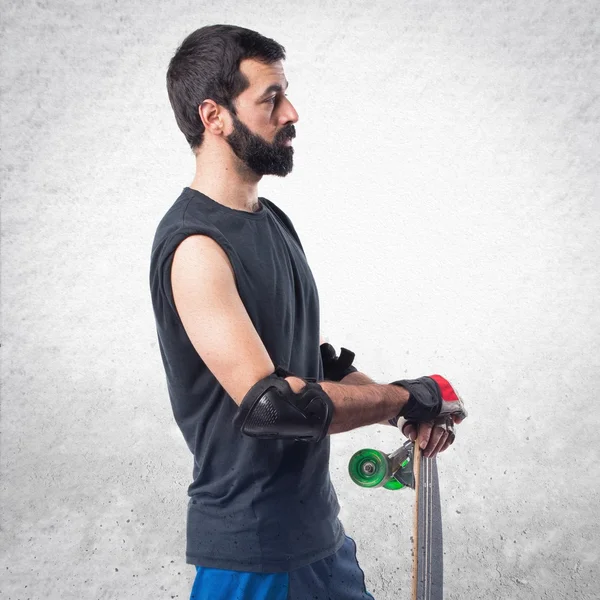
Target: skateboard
{"type": "Point", "coordinates": [408, 468]}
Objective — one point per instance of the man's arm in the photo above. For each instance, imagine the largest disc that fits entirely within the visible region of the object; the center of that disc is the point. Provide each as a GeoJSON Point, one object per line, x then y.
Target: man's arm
{"type": "Point", "coordinates": [215, 320]}
{"type": "Point", "coordinates": [360, 379]}
{"type": "Point", "coordinates": [433, 439]}
{"type": "Point", "coordinates": [349, 400]}
{"type": "Point", "coordinates": [356, 378]}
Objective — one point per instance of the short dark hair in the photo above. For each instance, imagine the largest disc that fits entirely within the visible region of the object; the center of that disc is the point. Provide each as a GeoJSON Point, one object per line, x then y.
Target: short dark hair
{"type": "Point", "coordinates": [206, 65]}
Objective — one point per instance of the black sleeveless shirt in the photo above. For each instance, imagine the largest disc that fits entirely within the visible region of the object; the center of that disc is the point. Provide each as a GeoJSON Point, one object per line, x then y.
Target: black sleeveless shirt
{"type": "Point", "coordinates": [255, 505]}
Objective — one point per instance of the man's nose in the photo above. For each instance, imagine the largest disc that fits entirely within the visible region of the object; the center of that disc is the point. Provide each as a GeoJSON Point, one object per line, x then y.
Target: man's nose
{"type": "Point", "coordinates": [290, 114]}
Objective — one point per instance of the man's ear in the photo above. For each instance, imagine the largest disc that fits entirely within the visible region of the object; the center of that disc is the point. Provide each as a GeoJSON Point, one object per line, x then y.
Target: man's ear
{"type": "Point", "coordinates": [211, 115]}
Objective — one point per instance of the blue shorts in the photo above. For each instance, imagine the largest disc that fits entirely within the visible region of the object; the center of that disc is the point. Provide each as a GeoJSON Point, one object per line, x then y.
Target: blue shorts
{"type": "Point", "coordinates": [335, 577]}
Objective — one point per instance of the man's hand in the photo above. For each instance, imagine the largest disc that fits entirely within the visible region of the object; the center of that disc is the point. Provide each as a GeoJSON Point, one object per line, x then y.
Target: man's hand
{"type": "Point", "coordinates": [434, 436]}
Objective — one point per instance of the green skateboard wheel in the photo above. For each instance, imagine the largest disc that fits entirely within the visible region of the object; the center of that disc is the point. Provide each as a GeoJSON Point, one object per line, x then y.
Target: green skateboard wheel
{"type": "Point", "coordinates": [369, 468]}
{"type": "Point", "coordinates": [393, 484]}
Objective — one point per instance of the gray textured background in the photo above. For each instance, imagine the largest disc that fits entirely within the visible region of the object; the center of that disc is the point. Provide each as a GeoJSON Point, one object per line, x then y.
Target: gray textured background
{"type": "Point", "coordinates": [446, 192]}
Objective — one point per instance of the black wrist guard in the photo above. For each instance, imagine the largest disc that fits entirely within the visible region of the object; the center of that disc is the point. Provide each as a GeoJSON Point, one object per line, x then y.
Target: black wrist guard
{"type": "Point", "coordinates": [424, 402]}
{"type": "Point", "coordinates": [336, 368]}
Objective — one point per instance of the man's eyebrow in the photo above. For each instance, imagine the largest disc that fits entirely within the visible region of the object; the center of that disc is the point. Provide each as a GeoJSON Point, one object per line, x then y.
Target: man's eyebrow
{"type": "Point", "coordinates": [275, 87]}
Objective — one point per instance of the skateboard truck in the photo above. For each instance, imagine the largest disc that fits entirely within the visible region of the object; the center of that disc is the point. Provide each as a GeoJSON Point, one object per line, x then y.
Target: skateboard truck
{"type": "Point", "coordinates": [372, 468]}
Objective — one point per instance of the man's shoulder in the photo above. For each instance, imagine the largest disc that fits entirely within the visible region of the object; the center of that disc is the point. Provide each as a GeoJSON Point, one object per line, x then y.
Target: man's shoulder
{"type": "Point", "coordinates": [180, 221]}
{"type": "Point", "coordinates": [175, 210]}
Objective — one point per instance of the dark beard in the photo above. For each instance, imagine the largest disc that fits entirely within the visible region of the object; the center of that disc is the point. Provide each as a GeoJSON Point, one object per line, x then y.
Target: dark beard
{"type": "Point", "coordinates": [260, 156]}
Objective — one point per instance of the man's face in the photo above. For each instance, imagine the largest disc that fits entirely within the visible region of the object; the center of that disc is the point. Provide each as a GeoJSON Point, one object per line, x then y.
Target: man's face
{"type": "Point", "coordinates": [264, 126]}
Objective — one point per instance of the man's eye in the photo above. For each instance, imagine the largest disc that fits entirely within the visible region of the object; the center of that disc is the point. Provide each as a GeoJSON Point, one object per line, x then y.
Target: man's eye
{"type": "Point", "coordinates": [273, 99]}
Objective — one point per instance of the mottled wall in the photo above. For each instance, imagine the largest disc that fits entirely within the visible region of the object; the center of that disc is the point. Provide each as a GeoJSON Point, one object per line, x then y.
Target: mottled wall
{"type": "Point", "coordinates": [446, 191]}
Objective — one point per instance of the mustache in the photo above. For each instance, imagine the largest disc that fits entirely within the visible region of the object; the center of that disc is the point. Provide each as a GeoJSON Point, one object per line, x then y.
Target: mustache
{"type": "Point", "coordinates": [289, 131]}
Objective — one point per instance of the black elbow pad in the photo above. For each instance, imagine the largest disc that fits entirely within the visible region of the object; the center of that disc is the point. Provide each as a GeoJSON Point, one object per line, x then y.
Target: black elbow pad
{"type": "Point", "coordinates": [271, 410]}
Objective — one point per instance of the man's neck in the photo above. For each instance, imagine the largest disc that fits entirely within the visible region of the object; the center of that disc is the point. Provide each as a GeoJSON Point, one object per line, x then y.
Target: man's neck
{"type": "Point", "coordinates": [227, 181]}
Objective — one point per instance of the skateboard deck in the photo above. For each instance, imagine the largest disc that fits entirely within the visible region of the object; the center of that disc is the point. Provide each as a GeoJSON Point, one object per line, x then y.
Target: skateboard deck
{"type": "Point", "coordinates": [408, 468]}
{"type": "Point", "coordinates": [428, 556]}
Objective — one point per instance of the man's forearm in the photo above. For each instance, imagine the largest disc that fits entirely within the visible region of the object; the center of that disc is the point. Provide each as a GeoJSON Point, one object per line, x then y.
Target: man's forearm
{"type": "Point", "coordinates": [358, 378]}
{"type": "Point", "coordinates": [360, 404]}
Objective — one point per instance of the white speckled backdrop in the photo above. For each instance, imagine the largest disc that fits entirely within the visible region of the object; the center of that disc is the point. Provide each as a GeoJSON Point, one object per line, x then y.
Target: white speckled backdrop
{"type": "Point", "coordinates": [446, 192]}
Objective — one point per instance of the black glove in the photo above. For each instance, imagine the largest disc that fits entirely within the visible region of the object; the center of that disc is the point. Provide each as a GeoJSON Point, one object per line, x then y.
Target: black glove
{"type": "Point", "coordinates": [424, 402]}
{"type": "Point", "coordinates": [430, 397]}
{"type": "Point", "coordinates": [336, 368]}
